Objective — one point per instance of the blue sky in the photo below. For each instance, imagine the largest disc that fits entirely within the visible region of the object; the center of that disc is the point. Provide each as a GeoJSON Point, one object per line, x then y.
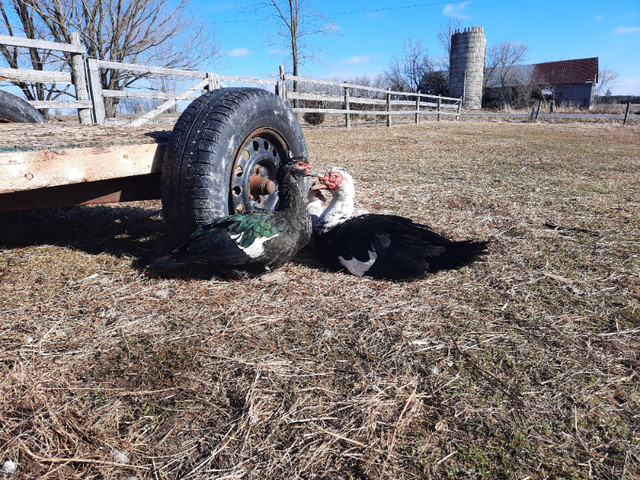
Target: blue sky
{"type": "Point", "coordinates": [368, 33]}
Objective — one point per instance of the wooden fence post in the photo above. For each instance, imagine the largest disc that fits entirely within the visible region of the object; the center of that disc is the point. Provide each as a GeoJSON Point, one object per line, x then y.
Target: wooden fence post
{"type": "Point", "coordinates": [389, 108]}
{"type": "Point", "coordinates": [96, 91]}
{"type": "Point", "coordinates": [538, 111]}
{"type": "Point", "coordinates": [282, 85]}
{"type": "Point", "coordinates": [438, 108]}
{"type": "Point", "coordinates": [459, 109]}
{"type": "Point", "coordinates": [213, 82]}
{"type": "Point", "coordinates": [418, 107]}
{"type": "Point", "coordinates": [79, 79]}
{"type": "Point", "coordinates": [626, 113]}
{"type": "Point", "coordinates": [347, 107]}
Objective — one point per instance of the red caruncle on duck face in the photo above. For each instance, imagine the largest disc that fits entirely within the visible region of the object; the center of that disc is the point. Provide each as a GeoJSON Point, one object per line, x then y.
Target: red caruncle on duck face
{"type": "Point", "coordinates": [303, 166]}
{"type": "Point", "coordinates": [333, 180]}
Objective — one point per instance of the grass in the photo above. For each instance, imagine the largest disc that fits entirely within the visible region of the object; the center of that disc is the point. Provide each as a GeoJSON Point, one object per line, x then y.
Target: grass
{"type": "Point", "coordinates": [522, 365]}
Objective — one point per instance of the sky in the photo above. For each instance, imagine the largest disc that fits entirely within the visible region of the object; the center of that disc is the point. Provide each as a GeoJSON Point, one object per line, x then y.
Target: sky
{"type": "Point", "coordinates": [366, 35]}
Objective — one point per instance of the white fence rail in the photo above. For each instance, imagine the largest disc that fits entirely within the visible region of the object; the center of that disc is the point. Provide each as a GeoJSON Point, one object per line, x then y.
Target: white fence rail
{"type": "Point", "coordinates": [90, 95]}
{"type": "Point", "coordinates": [305, 95]}
{"type": "Point", "coordinates": [75, 77]}
{"type": "Point", "coordinates": [208, 81]}
{"type": "Point", "coordinates": [348, 99]}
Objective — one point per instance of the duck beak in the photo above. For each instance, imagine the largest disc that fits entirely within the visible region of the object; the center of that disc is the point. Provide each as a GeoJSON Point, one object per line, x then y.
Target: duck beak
{"type": "Point", "coordinates": [320, 196]}
{"type": "Point", "coordinates": [319, 191]}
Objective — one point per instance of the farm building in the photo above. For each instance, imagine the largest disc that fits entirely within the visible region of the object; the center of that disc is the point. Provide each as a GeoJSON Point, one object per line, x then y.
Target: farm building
{"type": "Point", "coordinates": [567, 82]}
{"type": "Point", "coordinates": [571, 81]}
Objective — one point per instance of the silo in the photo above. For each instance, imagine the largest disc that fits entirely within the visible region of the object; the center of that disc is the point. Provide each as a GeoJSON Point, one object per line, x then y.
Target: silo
{"type": "Point", "coordinates": [466, 66]}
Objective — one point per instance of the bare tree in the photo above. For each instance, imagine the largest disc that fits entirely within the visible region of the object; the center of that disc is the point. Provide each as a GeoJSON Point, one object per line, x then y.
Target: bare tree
{"type": "Point", "coordinates": [297, 22]}
{"type": "Point", "coordinates": [444, 39]}
{"type": "Point", "coordinates": [407, 71]}
{"type": "Point", "coordinates": [155, 32]}
{"type": "Point", "coordinates": [606, 79]}
{"type": "Point", "coordinates": [500, 70]}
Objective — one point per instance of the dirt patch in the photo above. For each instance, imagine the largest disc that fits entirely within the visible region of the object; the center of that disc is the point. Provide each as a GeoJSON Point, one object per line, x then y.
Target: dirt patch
{"type": "Point", "coordinates": [521, 365]}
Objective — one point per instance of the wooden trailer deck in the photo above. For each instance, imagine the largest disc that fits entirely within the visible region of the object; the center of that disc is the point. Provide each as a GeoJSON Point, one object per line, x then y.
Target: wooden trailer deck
{"type": "Point", "coordinates": [62, 164]}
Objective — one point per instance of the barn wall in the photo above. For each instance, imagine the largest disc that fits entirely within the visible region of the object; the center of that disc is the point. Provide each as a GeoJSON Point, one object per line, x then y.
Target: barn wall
{"type": "Point", "coordinates": [580, 95]}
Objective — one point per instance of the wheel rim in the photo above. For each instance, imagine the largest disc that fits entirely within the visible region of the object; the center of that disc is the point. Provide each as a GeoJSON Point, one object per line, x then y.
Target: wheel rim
{"type": "Point", "coordinates": [253, 177]}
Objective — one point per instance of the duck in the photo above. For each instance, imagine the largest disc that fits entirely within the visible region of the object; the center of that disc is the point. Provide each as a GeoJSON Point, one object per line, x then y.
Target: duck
{"type": "Point", "coordinates": [381, 245]}
{"type": "Point", "coordinates": [249, 243]}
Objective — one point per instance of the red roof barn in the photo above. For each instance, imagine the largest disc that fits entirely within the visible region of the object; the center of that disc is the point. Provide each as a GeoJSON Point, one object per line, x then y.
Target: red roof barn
{"type": "Point", "coordinates": [572, 82]}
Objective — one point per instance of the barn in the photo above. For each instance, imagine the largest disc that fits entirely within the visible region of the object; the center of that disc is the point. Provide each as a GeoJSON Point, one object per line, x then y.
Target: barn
{"type": "Point", "coordinates": [567, 82]}
{"type": "Point", "coordinates": [571, 82]}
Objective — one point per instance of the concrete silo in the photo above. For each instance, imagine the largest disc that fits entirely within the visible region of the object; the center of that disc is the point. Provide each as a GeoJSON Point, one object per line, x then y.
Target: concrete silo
{"type": "Point", "coordinates": [466, 66]}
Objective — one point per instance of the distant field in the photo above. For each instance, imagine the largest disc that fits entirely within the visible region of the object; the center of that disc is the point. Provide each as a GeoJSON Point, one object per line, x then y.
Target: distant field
{"type": "Point", "coordinates": [522, 365]}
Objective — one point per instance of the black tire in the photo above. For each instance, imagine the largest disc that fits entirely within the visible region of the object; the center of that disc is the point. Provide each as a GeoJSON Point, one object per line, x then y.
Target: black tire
{"type": "Point", "coordinates": [17, 110]}
{"type": "Point", "coordinates": [222, 140]}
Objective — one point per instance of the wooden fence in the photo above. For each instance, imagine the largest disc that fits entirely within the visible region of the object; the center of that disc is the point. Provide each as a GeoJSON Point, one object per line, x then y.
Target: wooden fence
{"type": "Point", "coordinates": [348, 99]}
{"type": "Point", "coordinates": [85, 76]}
{"type": "Point", "coordinates": [305, 95]}
{"type": "Point", "coordinates": [207, 81]}
{"type": "Point", "coordinates": [75, 77]}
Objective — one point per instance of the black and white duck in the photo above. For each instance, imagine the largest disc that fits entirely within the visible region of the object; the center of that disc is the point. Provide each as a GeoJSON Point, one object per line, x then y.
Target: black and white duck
{"type": "Point", "coordinates": [382, 246]}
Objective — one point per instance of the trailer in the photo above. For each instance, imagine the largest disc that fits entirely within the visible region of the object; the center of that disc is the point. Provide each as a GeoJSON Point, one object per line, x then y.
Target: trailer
{"type": "Point", "coordinates": [221, 157]}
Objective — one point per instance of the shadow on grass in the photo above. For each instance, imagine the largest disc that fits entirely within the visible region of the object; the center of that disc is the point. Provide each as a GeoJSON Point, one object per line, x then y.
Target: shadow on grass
{"type": "Point", "coordinates": [136, 232]}
{"type": "Point", "coordinates": [121, 230]}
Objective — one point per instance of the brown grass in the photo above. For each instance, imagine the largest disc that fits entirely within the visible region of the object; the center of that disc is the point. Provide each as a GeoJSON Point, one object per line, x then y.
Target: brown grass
{"type": "Point", "coordinates": [523, 365]}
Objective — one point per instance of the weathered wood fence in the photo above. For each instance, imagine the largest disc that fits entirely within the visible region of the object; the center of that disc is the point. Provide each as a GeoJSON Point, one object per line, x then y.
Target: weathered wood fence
{"type": "Point", "coordinates": [75, 77]}
{"type": "Point", "coordinates": [305, 95]}
{"type": "Point", "coordinates": [85, 76]}
{"type": "Point", "coordinates": [207, 81]}
{"type": "Point", "coordinates": [349, 99]}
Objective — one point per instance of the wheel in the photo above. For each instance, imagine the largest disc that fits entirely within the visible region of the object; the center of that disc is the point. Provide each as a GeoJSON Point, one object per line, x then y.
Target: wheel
{"type": "Point", "coordinates": [17, 110]}
{"type": "Point", "coordinates": [224, 154]}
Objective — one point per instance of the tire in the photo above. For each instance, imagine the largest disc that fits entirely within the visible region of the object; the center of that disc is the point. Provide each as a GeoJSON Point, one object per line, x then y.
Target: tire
{"type": "Point", "coordinates": [222, 141]}
{"type": "Point", "coordinates": [17, 110]}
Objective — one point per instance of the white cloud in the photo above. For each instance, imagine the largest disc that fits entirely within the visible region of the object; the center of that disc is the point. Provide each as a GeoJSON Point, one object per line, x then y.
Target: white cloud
{"type": "Point", "coordinates": [599, 17]}
{"type": "Point", "coordinates": [221, 6]}
{"type": "Point", "coordinates": [456, 10]}
{"type": "Point", "coordinates": [625, 30]}
{"type": "Point", "coordinates": [360, 59]}
{"type": "Point", "coordinates": [626, 86]}
{"type": "Point", "coordinates": [239, 52]}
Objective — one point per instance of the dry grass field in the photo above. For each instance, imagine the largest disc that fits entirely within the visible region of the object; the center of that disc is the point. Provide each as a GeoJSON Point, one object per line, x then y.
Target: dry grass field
{"type": "Point", "coordinates": [523, 365]}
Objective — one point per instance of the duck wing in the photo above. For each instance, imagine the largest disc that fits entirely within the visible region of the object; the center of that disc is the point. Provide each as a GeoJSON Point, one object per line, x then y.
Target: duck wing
{"type": "Point", "coordinates": [390, 246]}
{"type": "Point", "coordinates": [229, 241]}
